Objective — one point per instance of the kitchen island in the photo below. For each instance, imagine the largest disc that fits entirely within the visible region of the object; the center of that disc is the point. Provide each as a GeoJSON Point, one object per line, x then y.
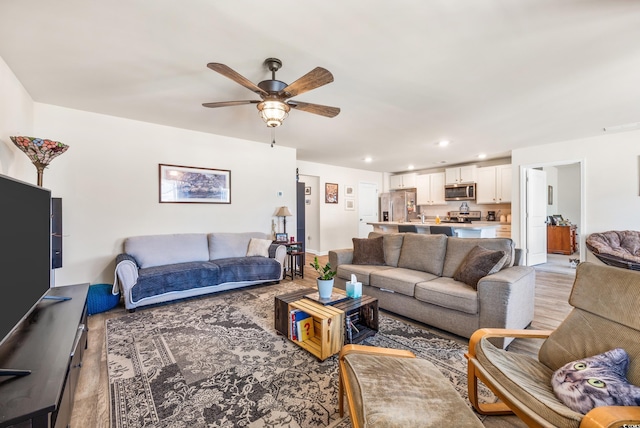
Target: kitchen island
{"type": "Point", "coordinates": [480, 229]}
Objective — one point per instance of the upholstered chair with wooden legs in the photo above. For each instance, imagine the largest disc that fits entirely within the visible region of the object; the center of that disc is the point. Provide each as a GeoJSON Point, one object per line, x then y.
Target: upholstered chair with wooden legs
{"type": "Point", "coordinates": [605, 315]}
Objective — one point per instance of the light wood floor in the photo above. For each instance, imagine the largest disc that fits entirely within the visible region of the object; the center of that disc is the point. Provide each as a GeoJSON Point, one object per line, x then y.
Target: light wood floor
{"type": "Point", "coordinates": [91, 405]}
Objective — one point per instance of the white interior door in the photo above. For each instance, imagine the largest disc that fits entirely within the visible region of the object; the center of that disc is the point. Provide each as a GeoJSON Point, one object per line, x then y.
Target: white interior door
{"type": "Point", "coordinates": [367, 207]}
{"type": "Point", "coordinates": [536, 217]}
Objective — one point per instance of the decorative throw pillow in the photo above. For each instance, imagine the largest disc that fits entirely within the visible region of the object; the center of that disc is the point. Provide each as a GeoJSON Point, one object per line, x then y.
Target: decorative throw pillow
{"type": "Point", "coordinates": [479, 263]}
{"type": "Point", "coordinates": [368, 251]}
{"type": "Point", "coordinates": [595, 381]}
{"type": "Point", "coordinates": [258, 247]}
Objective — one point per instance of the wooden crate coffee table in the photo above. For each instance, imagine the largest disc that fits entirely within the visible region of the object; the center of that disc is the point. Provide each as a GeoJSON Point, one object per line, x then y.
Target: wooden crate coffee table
{"type": "Point", "coordinates": [349, 321]}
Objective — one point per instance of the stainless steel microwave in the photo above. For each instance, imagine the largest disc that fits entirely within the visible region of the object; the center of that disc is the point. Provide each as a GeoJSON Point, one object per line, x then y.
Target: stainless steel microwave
{"type": "Point", "coordinates": [460, 192]}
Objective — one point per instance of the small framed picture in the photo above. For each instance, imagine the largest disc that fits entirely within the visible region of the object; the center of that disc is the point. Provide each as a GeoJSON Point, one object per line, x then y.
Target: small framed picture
{"type": "Point", "coordinates": [282, 237]}
{"type": "Point", "coordinates": [307, 190]}
{"type": "Point", "coordinates": [349, 204]}
{"type": "Point", "coordinates": [331, 193]}
{"type": "Point", "coordinates": [348, 191]}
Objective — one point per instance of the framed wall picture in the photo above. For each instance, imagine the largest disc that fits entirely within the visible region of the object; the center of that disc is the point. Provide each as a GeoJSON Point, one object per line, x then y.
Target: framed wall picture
{"type": "Point", "coordinates": [331, 193]}
{"type": "Point", "coordinates": [349, 191]}
{"type": "Point", "coordinates": [187, 184]}
{"type": "Point", "coordinates": [307, 190]}
{"type": "Point", "coordinates": [282, 237]}
{"type": "Point", "coordinates": [349, 204]}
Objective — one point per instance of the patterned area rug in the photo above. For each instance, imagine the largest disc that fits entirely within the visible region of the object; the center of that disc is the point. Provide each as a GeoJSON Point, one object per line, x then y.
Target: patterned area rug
{"type": "Point", "coordinates": [217, 361]}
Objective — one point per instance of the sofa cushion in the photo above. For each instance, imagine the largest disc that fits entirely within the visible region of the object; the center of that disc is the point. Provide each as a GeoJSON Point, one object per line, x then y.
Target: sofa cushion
{"type": "Point", "coordinates": [240, 269]}
{"type": "Point", "coordinates": [223, 245]}
{"type": "Point", "coordinates": [479, 263]}
{"type": "Point", "coordinates": [158, 280]}
{"type": "Point", "coordinates": [392, 243]}
{"type": "Point", "coordinates": [458, 248]}
{"type": "Point", "coordinates": [448, 293]}
{"type": "Point", "coordinates": [362, 272]}
{"type": "Point", "coordinates": [368, 251]}
{"type": "Point", "coordinates": [399, 280]}
{"type": "Point", "coordinates": [160, 250]}
{"type": "Point", "coordinates": [423, 252]}
{"type": "Point", "coordinates": [259, 247]}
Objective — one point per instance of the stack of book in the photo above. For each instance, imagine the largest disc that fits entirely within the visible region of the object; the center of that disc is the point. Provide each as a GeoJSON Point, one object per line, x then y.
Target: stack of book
{"type": "Point", "coordinates": [301, 325]}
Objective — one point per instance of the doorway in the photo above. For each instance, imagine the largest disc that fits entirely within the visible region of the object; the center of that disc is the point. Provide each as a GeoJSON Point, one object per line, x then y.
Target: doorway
{"type": "Point", "coordinates": [311, 213]}
{"type": "Point", "coordinates": [562, 194]}
{"type": "Point", "coordinates": [367, 207]}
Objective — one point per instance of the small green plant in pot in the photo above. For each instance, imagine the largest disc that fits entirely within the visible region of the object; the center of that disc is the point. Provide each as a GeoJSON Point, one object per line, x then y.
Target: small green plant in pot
{"type": "Point", "coordinates": [325, 278]}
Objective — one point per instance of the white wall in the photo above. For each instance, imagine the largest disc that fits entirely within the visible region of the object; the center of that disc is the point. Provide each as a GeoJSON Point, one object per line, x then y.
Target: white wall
{"type": "Point", "coordinates": [552, 180]}
{"type": "Point", "coordinates": [569, 194]}
{"type": "Point", "coordinates": [16, 118]}
{"type": "Point", "coordinates": [337, 225]}
{"type": "Point", "coordinates": [611, 180]}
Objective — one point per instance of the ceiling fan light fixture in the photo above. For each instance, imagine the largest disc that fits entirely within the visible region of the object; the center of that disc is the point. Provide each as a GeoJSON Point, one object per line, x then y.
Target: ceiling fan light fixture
{"type": "Point", "coordinates": [273, 112]}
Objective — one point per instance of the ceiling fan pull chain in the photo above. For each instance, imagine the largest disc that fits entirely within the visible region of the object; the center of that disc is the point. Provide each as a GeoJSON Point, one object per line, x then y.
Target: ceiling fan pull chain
{"type": "Point", "coordinates": [273, 136]}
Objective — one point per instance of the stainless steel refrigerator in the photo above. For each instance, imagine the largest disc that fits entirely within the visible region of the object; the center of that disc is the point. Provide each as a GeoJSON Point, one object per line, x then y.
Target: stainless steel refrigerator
{"type": "Point", "coordinates": [398, 206]}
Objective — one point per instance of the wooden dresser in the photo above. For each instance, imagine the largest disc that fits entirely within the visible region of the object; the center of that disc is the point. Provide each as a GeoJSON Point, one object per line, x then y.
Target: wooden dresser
{"type": "Point", "coordinates": [561, 239]}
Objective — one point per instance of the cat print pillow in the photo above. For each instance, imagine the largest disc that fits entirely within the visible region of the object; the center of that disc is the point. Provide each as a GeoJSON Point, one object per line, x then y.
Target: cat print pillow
{"type": "Point", "coordinates": [595, 381]}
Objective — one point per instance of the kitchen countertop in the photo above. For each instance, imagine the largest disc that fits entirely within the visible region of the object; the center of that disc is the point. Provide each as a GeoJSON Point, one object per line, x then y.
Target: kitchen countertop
{"type": "Point", "coordinates": [427, 223]}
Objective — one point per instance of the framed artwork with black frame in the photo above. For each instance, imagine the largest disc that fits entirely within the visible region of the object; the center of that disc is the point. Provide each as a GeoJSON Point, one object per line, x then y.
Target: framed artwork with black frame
{"type": "Point", "coordinates": [331, 193]}
{"type": "Point", "coordinates": [282, 237]}
{"type": "Point", "coordinates": [187, 184]}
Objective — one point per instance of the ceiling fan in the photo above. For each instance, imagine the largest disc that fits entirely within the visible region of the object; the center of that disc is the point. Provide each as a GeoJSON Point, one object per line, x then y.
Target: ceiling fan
{"type": "Point", "coordinates": [275, 103]}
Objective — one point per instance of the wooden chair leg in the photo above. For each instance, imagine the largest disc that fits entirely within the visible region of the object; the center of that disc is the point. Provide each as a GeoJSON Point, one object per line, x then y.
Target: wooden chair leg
{"type": "Point", "coordinates": [340, 390]}
{"type": "Point", "coordinates": [498, 408]}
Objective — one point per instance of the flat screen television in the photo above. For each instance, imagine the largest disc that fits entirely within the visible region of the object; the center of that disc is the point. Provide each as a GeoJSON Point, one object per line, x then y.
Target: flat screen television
{"type": "Point", "coordinates": [25, 258]}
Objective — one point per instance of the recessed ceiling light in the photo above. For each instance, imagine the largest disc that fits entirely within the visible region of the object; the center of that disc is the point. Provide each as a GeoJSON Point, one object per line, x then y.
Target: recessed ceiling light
{"type": "Point", "coordinates": [410, 167]}
{"type": "Point", "coordinates": [482, 155]}
{"type": "Point", "coordinates": [443, 143]}
{"type": "Point", "coordinates": [368, 159]}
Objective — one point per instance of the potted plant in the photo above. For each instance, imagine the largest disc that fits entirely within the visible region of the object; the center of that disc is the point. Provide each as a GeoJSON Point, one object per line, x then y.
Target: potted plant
{"type": "Point", "coordinates": [325, 278]}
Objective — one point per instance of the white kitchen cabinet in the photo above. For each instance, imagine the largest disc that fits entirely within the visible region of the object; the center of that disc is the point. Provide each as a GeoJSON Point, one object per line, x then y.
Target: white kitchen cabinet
{"type": "Point", "coordinates": [430, 189]}
{"type": "Point", "coordinates": [402, 181]}
{"type": "Point", "coordinates": [494, 185]}
{"type": "Point", "coordinates": [461, 174]}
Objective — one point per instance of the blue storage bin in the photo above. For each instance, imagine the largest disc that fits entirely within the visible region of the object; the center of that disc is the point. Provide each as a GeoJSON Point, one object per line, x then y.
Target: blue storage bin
{"type": "Point", "coordinates": [100, 298]}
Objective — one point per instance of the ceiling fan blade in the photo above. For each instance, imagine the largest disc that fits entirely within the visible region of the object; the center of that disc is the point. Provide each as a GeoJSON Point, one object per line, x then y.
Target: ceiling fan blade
{"type": "Point", "coordinates": [312, 80]}
{"type": "Point", "coordinates": [236, 77]}
{"type": "Point", "coordinates": [315, 108]}
{"type": "Point", "coordinates": [230, 103]}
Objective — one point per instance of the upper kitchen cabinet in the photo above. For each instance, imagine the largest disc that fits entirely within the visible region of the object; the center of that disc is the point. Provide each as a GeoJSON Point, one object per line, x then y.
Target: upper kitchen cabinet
{"type": "Point", "coordinates": [494, 185]}
{"type": "Point", "coordinates": [402, 181]}
{"type": "Point", "coordinates": [430, 189]}
{"type": "Point", "coordinates": [461, 174]}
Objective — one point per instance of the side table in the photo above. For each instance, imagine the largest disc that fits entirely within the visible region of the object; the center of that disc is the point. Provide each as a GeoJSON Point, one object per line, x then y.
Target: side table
{"type": "Point", "coordinates": [296, 256]}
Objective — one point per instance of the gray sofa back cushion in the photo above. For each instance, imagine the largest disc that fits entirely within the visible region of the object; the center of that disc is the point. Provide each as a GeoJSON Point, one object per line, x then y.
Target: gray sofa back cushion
{"type": "Point", "coordinates": [392, 243]}
{"type": "Point", "coordinates": [224, 244]}
{"type": "Point", "coordinates": [458, 248]}
{"type": "Point", "coordinates": [158, 250]}
{"type": "Point", "coordinates": [423, 252]}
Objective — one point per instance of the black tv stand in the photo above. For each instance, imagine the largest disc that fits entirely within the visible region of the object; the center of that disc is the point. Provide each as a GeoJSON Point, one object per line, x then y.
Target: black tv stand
{"type": "Point", "coordinates": [50, 342]}
{"type": "Point", "coordinates": [14, 372]}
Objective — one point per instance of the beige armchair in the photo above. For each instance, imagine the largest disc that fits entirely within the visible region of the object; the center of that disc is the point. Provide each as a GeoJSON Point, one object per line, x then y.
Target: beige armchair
{"type": "Point", "coordinates": [606, 304]}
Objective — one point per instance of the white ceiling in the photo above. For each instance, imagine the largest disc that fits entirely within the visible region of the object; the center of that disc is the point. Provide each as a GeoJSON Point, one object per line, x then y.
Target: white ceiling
{"type": "Point", "coordinates": [489, 75]}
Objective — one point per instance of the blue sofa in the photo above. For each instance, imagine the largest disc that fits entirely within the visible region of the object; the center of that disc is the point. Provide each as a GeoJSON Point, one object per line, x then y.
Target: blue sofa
{"type": "Point", "coordinates": [161, 268]}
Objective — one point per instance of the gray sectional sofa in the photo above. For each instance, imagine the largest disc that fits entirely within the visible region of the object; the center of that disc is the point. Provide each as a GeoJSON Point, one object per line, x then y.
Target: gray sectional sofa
{"type": "Point", "coordinates": [160, 268]}
{"type": "Point", "coordinates": [414, 277]}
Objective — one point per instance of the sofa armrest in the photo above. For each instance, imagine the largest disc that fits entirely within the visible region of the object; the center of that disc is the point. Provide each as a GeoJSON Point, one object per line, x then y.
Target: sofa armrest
{"type": "Point", "coordinates": [126, 274]}
{"type": "Point", "coordinates": [278, 252]}
{"type": "Point", "coordinates": [506, 299]}
{"type": "Point", "coordinates": [340, 257]}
